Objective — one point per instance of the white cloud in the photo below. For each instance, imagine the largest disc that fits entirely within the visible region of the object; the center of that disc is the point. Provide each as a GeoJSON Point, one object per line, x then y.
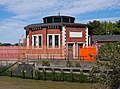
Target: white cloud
{"type": "Point", "coordinates": [32, 8]}
{"type": "Point", "coordinates": [32, 11]}
{"type": "Point", "coordinates": [111, 19]}
{"type": "Point", "coordinates": [11, 30]}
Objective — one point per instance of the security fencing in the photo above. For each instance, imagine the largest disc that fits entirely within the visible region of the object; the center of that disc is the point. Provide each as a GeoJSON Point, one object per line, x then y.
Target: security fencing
{"type": "Point", "coordinates": [34, 53]}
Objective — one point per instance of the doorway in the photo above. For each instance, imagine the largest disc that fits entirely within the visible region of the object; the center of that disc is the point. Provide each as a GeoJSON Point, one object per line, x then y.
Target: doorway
{"type": "Point", "coordinates": [80, 45]}
{"type": "Point", "coordinates": [70, 51]}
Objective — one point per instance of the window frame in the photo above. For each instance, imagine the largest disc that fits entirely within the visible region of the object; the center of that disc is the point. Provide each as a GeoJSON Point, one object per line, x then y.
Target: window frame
{"type": "Point", "coordinates": [34, 41]}
{"type": "Point", "coordinates": [41, 40]}
{"type": "Point", "coordinates": [53, 41]}
{"type": "Point", "coordinates": [37, 40]}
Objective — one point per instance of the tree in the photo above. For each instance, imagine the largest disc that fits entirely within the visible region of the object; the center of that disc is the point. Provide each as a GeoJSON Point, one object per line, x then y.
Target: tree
{"type": "Point", "coordinates": [105, 28]}
{"type": "Point", "coordinates": [95, 26]}
{"type": "Point", "coordinates": [118, 23]}
{"type": "Point", "coordinates": [108, 66]}
{"type": "Point", "coordinates": [117, 27]}
{"type": "Point", "coordinates": [5, 44]}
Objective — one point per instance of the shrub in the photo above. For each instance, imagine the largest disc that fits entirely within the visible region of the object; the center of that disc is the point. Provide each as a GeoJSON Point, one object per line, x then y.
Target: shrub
{"type": "Point", "coordinates": [45, 63]}
{"type": "Point", "coordinates": [77, 64]}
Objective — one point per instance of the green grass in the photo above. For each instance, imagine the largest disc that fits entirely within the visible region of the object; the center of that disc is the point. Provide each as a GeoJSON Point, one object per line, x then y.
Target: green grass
{"type": "Point", "coordinates": [19, 83]}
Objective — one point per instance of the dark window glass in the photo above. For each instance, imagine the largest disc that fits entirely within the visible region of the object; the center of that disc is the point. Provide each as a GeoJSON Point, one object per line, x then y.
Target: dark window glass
{"type": "Point", "coordinates": [44, 20]}
{"type": "Point", "coordinates": [49, 20]}
{"type": "Point", "coordinates": [72, 20]}
{"type": "Point", "coordinates": [56, 40]}
{"type": "Point", "coordinates": [66, 20]}
{"type": "Point", "coordinates": [50, 40]}
{"type": "Point", "coordinates": [40, 41]}
{"type": "Point", "coordinates": [57, 20]}
{"type": "Point", "coordinates": [34, 37]}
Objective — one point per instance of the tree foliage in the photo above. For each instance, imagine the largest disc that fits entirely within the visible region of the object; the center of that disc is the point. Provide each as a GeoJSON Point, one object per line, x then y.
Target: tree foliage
{"type": "Point", "coordinates": [105, 28]}
{"type": "Point", "coordinates": [10, 44]}
{"type": "Point", "coordinates": [108, 66]}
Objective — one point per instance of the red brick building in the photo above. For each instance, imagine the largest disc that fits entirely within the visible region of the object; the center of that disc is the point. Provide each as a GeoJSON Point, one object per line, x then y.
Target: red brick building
{"type": "Point", "coordinates": [58, 35]}
{"type": "Point", "coordinates": [99, 40]}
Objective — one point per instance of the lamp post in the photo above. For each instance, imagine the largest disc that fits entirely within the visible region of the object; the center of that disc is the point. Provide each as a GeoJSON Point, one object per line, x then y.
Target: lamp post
{"type": "Point", "coordinates": [19, 42]}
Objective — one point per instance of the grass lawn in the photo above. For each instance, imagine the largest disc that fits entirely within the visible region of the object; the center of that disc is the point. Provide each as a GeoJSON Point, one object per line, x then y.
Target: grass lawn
{"type": "Point", "coordinates": [19, 83]}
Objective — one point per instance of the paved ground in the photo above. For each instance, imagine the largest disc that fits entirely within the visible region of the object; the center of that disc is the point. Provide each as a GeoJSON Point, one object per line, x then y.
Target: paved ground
{"type": "Point", "coordinates": [18, 83]}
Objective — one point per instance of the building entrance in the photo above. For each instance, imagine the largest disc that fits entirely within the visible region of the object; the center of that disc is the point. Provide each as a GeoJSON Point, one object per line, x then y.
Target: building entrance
{"type": "Point", "coordinates": [70, 51]}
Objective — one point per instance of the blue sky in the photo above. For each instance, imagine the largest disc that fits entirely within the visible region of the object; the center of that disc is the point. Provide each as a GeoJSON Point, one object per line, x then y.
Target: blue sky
{"type": "Point", "coordinates": [16, 14]}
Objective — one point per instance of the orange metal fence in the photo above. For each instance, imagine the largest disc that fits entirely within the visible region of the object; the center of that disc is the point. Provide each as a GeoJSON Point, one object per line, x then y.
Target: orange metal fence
{"type": "Point", "coordinates": [11, 53]}
{"type": "Point", "coordinates": [21, 52]}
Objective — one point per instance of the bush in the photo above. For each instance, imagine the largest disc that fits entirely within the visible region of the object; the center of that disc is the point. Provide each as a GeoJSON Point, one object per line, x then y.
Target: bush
{"type": "Point", "coordinates": [108, 66]}
{"type": "Point", "coordinates": [45, 63]}
{"type": "Point", "coordinates": [69, 64]}
{"type": "Point", "coordinates": [77, 64]}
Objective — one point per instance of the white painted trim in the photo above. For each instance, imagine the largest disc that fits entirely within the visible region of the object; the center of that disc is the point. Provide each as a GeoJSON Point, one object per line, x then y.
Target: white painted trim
{"type": "Point", "coordinates": [80, 42]}
{"type": "Point", "coordinates": [73, 48]}
{"type": "Point", "coordinates": [53, 40]}
{"type": "Point", "coordinates": [75, 34]}
{"type": "Point", "coordinates": [86, 32]}
{"type": "Point", "coordinates": [28, 42]}
{"type": "Point", "coordinates": [33, 40]}
{"type": "Point", "coordinates": [64, 40]}
{"type": "Point", "coordinates": [41, 40]}
{"type": "Point", "coordinates": [89, 37]}
{"type": "Point", "coordinates": [77, 46]}
{"type": "Point", "coordinates": [37, 40]}
{"type": "Point", "coordinates": [63, 36]}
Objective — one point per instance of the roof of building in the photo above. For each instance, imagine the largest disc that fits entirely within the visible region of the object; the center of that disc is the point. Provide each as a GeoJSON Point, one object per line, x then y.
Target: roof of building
{"type": "Point", "coordinates": [55, 24]}
{"type": "Point", "coordinates": [59, 16]}
{"type": "Point", "coordinates": [105, 38]}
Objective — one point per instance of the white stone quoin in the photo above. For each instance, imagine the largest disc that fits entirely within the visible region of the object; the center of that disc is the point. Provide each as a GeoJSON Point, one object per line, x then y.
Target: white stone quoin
{"type": "Point", "coordinates": [86, 36]}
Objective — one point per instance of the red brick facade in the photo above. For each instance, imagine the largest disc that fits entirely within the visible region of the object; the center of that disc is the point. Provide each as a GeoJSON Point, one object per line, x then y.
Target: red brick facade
{"type": "Point", "coordinates": [69, 35]}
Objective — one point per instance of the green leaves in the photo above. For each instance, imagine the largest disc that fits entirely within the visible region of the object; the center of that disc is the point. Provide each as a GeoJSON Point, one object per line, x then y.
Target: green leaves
{"type": "Point", "coordinates": [108, 65]}
{"type": "Point", "coordinates": [105, 28]}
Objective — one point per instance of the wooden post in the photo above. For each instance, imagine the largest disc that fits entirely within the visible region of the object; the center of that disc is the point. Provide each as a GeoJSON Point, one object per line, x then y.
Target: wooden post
{"type": "Point", "coordinates": [35, 74]}
{"type": "Point", "coordinates": [62, 75]}
{"type": "Point", "coordinates": [32, 74]}
{"type": "Point", "coordinates": [23, 73]}
{"type": "Point", "coordinates": [10, 73]}
{"type": "Point", "coordinates": [81, 77]}
{"type": "Point", "coordinates": [44, 74]}
{"type": "Point", "coordinates": [53, 74]}
{"type": "Point", "coordinates": [71, 74]}
{"type": "Point", "coordinates": [38, 73]}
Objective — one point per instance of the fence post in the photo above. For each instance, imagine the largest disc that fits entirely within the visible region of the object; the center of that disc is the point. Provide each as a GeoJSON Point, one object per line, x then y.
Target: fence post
{"type": "Point", "coordinates": [27, 58]}
{"type": "Point", "coordinates": [62, 75]}
{"type": "Point", "coordinates": [71, 74]}
{"type": "Point", "coordinates": [32, 73]}
{"type": "Point", "coordinates": [53, 57]}
{"type": "Point", "coordinates": [53, 74]}
{"type": "Point", "coordinates": [35, 74]}
{"type": "Point", "coordinates": [81, 77]}
{"type": "Point", "coordinates": [38, 57]}
{"type": "Point", "coordinates": [23, 73]}
{"type": "Point", "coordinates": [10, 73]}
{"type": "Point", "coordinates": [38, 73]}
{"type": "Point", "coordinates": [44, 74]}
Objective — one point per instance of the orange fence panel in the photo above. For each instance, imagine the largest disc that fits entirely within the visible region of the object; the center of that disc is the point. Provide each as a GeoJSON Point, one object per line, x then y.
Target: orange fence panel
{"type": "Point", "coordinates": [88, 53]}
